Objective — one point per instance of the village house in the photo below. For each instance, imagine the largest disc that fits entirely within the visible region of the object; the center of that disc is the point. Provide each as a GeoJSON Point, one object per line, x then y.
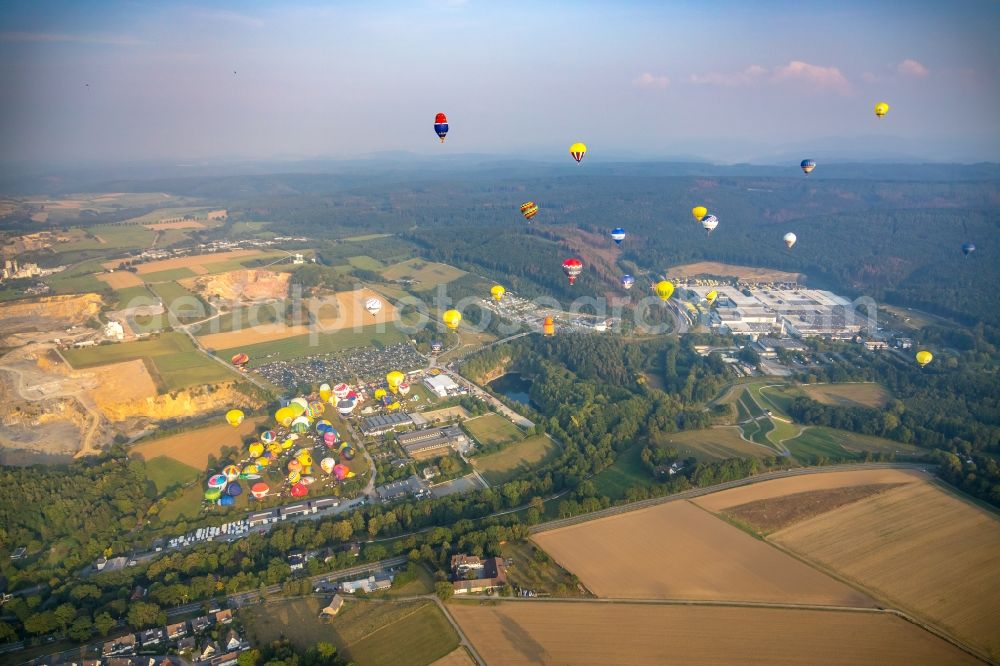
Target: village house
{"type": "Point", "coordinates": [175, 631]}
{"type": "Point", "coordinates": [119, 646]}
{"type": "Point", "coordinates": [492, 576]}
{"type": "Point", "coordinates": [333, 607]}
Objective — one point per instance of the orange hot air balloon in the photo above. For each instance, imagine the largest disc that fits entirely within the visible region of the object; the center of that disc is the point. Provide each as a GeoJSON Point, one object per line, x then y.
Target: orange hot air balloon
{"type": "Point", "coordinates": [549, 327]}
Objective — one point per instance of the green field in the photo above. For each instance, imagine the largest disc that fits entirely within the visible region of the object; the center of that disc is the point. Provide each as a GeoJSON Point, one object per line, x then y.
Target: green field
{"type": "Point", "coordinates": [325, 343]}
{"type": "Point", "coordinates": [78, 279]}
{"type": "Point", "coordinates": [817, 442]}
{"type": "Point", "coordinates": [626, 472]}
{"type": "Point", "coordinates": [516, 459]}
{"type": "Point", "coordinates": [167, 473]}
{"type": "Point", "coordinates": [364, 262]}
{"type": "Point", "coordinates": [716, 443]}
{"type": "Point", "coordinates": [365, 632]}
{"type": "Point", "coordinates": [425, 274]}
{"type": "Point", "coordinates": [114, 237]}
{"type": "Point", "coordinates": [168, 275]}
{"type": "Point", "coordinates": [492, 429]}
{"type": "Point", "coordinates": [183, 304]}
{"type": "Point", "coordinates": [187, 505]}
{"type": "Point", "coordinates": [179, 371]}
{"type": "Point", "coordinates": [240, 263]}
{"type": "Point", "coordinates": [242, 318]}
{"type": "Point", "coordinates": [366, 237]}
{"type": "Point", "coordinates": [169, 213]}
{"type": "Point", "coordinates": [133, 296]}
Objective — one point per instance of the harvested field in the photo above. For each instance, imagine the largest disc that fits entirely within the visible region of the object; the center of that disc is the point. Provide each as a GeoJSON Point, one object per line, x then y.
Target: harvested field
{"type": "Point", "coordinates": [261, 333]}
{"type": "Point", "coordinates": [769, 515]}
{"type": "Point", "coordinates": [525, 632]}
{"type": "Point", "coordinates": [456, 412]}
{"type": "Point", "coordinates": [678, 551]}
{"type": "Point", "coordinates": [424, 274]}
{"type": "Point", "coordinates": [920, 548]}
{"type": "Point", "coordinates": [515, 459]}
{"type": "Point", "coordinates": [717, 443]}
{"type": "Point", "coordinates": [853, 394]}
{"type": "Point", "coordinates": [241, 286]}
{"type": "Point", "coordinates": [120, 279]}
{"type": "Point", "coordinates": [177, 224]}
{"type": "Point", "coordinates": [805, 483]}
{"type": "Point", "coordinates": [457, 657]}
{"type": "Point", "coordinates": [194, 262]}
{"type": "Point", "coordinates": [716, 269]}
{"type": "Point", "coordinates": [121, 382]}
{"type": "Point", "coordinates": [194, 446]}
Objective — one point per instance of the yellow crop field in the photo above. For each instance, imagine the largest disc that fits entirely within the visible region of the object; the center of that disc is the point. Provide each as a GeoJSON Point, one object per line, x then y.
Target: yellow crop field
{"type": "Point", "coordinates": [531, 632]}
{"type": "Point", "coordinates": [120, 279]}
{"type": "Point", "coordinates": [679, 551]}
{"type": "Point", "coordinates": [919, 547]}
{"type": "Point", "coordinates": [194, 446]}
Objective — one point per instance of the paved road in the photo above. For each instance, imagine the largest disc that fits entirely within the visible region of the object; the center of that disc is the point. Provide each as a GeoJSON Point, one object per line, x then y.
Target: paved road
{"type": "Point", "coordinates": [476, 391]}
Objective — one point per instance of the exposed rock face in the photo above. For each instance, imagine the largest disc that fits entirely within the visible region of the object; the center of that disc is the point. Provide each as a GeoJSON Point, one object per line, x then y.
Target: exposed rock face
{"type": "Point", "coordinates": [245, 285]}
{"type": "Point", "coordinates": [48, 313]}
{"type": "Point", "coordinates": [179, 404]}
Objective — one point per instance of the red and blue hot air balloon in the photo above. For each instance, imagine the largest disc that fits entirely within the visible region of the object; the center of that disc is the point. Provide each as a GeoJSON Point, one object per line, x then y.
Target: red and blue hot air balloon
{"type": "Point", "coordinates": [441, 126]}
{"type": "Point", "coordinates": [618, 235]}
{"type": "Point", "coordinates": [808, 166]}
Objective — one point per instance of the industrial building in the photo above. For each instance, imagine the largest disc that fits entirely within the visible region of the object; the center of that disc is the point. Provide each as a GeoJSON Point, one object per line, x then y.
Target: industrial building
{"type": "Point", "coordinates": [383, 423]}
{"type": "Point", "coordinates": [441, 385]}
{"type": "Point", "coordinates": [431, 442]}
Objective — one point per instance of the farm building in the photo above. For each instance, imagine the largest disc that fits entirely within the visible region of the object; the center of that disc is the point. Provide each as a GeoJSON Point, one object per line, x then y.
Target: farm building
{"type": "Point", "coordinates": [493, 575]}
{"type": "Point", "coordinates": [333, 607]}
{"type": "Point", "coordinates": [430, 442]}
{"type": "Point", "coordinates": [383, 423]}
{"type": "Point", "coordinates": [371, 584]}
{"type": "Point", "coordinates": [441, 385]}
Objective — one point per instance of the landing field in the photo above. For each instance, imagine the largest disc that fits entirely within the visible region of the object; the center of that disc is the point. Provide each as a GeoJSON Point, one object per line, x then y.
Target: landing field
{"type": "Point", "coordinates": [712, 268]}
{"type": "Point", "coordinates": [921, 548]}
{"type": "Point", "coordinates": [525, 632]}
{"type": "Point", "coordinates": [678, 551]}
{"type": "Point", "coordinates": [308, 345]}
{"type": "Point", "coordinates": [716, 443]}
{"type": "Point", "coordinates": [493, 429]}
{"type": "Point", "coordinates": [848, 395]}
{"type": "Point", "coordinates": [510, 461]}
{"type": "Point", "coordinates": [193, 447]}
{"type": "Point", "coordinates": [425, 274]}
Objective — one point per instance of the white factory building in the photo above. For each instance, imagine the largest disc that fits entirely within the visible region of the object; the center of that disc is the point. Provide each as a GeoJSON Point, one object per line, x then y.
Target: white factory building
{"type": "Point", "coordinates": [441, 385]}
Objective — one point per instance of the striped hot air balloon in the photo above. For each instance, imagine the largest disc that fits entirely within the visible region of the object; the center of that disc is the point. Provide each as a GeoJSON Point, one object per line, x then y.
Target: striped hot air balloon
{"type": "Point", "coordinates": [578, 150]}
{"type": "Point", "coordinates": [529, 209]}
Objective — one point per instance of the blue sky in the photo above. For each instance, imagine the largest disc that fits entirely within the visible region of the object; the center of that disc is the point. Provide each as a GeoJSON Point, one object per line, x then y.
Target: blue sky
{"type": "Point", "coordinates": [730, 82]}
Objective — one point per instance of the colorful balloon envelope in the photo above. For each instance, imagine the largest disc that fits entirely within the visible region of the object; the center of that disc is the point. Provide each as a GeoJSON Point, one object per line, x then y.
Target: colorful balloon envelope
{"type": "Point", "coordinates": [497, 291]}
{"type": "Point", "coordinates": [790, 239]}
{"type": "Point", "coordinates": [284, 416]}
{"type": "Point", "coordinates": [341, 390]}
{"type": "Point", "coordinates": [628, 282]}
{"type": "Point", "coordinates": [340, 471]}
{"type": "Point", "coordinates": [234, 417]}
{"type": "Point", "coordinates": [323, 426]}
{"type": "Point", "coordinates": [441, 126]}
{"type": "Point", "coordinates": [213, 494]}
{"type": "Point", "coordinates": [348, 453]}
{"type": "Point", "coordinates": [288, 443]}
{"type": "Point", "coordinates": [267, 436]}
{"type": "Point", "coordinates": [578, 150]}
{"type": "Point", "coordinates": [262, 462]}
{"type": "Point", "coordinates": [699, 212]}
{"type": "Point", "coordinates": [293, 477]}
{"type": "Point", "coordinates": [618, 235]}
{"type": "Point", "coordinates": [549, 327]}
{"type": "Point", "coordinates": [256, 450]}
{"type": "Point", "coordinates": [452, 318]}
{"type": "Point", "coordinates": [373, 306]}
{"type": "Point", "coordinates": [924, 357]}
{"type": "Point", "coordinates": [301, 425]}
{"type": "Point", "coordinates": [529, 209]}
{"type": "Point", "coordinates": [299, 405]}
{"type": "Point", "coordinates": [260, 490]}
{"type": "Point", "coordinates": [404, 388]}
{"type": "Point", "coordinates": [808, 165]}
{"type": "Point", "coordinates": [316, 409]}
{"type": "Point", "coordinates": [226, 500]}
{"type": "Point", "coordinates": [326, 464]}
{"type": "Point", "coordinates": [380, 393]}
{"type": "Point", "coordinates": [709, 223]}
{"type": "Point", "coordinates": [664, 289]}
{"type": "Point", "coordinates": [307, 480]}
{"type": "Point", "coordinates": [394, 379]}
{"type": "Point", "coordinates": [294, 465]}
{"type": "Point", "coordinates": [250, 469]}
{"type": "Point", "coordinates": [234, 489]}
{"type": "Point", "coordinates": [325, 392]}
{"type": "Point", "coordinates": [572, 267]}
{"type": "Point", "coordinates": [330, 438]}
{"type": "Point", "coordinates": [231, 472]}
{"type": "Point", "coordinates": [217, 481]}
{"type": "Point", "coordinates": [305, 458]}
{"type": "Point", "coordinates": [240, 359]}
{"type": "Point", "coordinates": [299, 490]}
{"type": "Point", "coordinates": [711, 296]}
{"type": "Point", "coordinates": [881, 109]}
{"type": "Point", "coordinates": [968, 248]}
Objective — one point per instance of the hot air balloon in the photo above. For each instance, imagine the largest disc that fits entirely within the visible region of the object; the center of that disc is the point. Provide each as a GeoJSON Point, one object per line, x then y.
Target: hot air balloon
{"type": "Point", "coordinates": [217, 481]}
{"type": "Point", "coordinates": [249, 470]}
{"type": "Point", "coordinates": [664, 289]}
{"type": "Point", "coordinates": [329, 439]}
{"type": "Point", "coordinates": [618, 235]}
{"type": "Point", "coordinates": [699, 212]}
{"type": "Point", "coordinates": [572, 267]}
{"type": "Point", "coordinates": [300, 425]}
{"type": "Point", "coordinates": [267, 436]}
{"type": "Point", "coordinates": [260, 490]}
{"type": "Point", "coordinates": [578, 150]}
{"type": "Point", "coordinates": [924, 357]}
{"type": "Point", "coordinates": [232, 472]}
{"type": "Point", "coordinates": [289, 441]}
{"type": "Point", "coordinates": [347, 453]}
{"type": "Point", "coordinates": [316, 409]}
{"type": "Point", "coordinates": [808, 165]}
{"type": "Point", "coordinates": [341, 390]}
{"type": "Point", "coordinates": [226, 500]}
{"type": "Point", "coordinates": [305, 458]}
{"type": "Point", "coordinates": [451, 319]}
{"type": "Point", "coordinates": [374, 306]}
{"type": "Point", "coordinates": [790, 239]}
{"type": "Point", "coordinates": [436, 347]}
{"type": "Point", "coordinates": [307, 480]}
{"type": "Point", "coordinates": [323, 425]}
{"type": "Point", "coordinates": [340, 471]}
{"type": "Point", "coordinates": [284, 416]}
{"type": "Point", "coordinates": [293, 477]}
{"type": "Point", "coordinates": [273, 450]}
{"type": "Point", "coordinates": [239, 360]}
{"type": "Point", "coordinates": [326, 464]}
{"type": "Point", "coordinates": [394, 379]}
{"type": "Point", "coordinates": [262, 462]}
{"type": "Point", "coordinates": [529, 209]}
{"type": "Point", "coordinates": [711, 296]}
{"type": "Point", "coordinates": [380, 393]}
{"type": "Point", "coordinates": [294, 465]}
{"type": "Point", "coordinates": [325, 392]}
{"type": "Point", "coordinates": [441, 126]}
{"type": "Point", "coordinates": [256, 450]}
{"type": "Point", "coordinates": [709, 223]}
{"type": "Point", "coordinates": [234, 489]}
{"type": "Point", "coordinates": [627, 282]}
{"type": "Point", "coordinates": [549, 327]}
{"type": "Point", "coordinates": [212, 494]}
{"type": "Point", "coordinates": [404, 388]}
{"type": "Point", "coordinates": [299, 490]}
{"type": "Point", "coordinates": [968, 248]}
{"type": "Point", "coordinates": [497, 292]}
{"type": "Point", "coordinates": [234, 417]}
{"type": "Point", "coordinates": [881, 109]}
{"type": "Point", "coordinates": [345, 407]}
{"type": "Point", "coordinates": [299, 405]}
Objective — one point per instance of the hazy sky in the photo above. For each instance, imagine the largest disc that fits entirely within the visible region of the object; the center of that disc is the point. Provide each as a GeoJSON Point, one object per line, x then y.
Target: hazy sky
{"type": "Point", "coordinates": [728, 81]}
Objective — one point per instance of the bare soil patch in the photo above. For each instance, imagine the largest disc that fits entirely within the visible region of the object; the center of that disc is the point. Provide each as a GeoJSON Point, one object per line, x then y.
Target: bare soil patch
{"type": "Point", "coordinates": [177, 224]}
{"type": "Point", "coordinates": [678, 551]}
{"type": "Point", "coordinates": [519, 632]}
{"type": "Point", "coordinates": [120, 279]}
{"type": "Point", "coordinates": [773, 514]}
{"type": "Point", "coordinates": [716, 269]}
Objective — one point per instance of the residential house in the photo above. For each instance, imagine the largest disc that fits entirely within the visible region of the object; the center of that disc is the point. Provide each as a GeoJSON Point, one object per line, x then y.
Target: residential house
{"type": "Point", "coordinates": [227, 659]}
{"type": "Point", "coordinates": [210, 650]}
{"type": "Point", "coordinates": [224, 616]}
{"type": "Point", "coordinates": [492, 576]}
{"type": "Point", "coordinates": [232, 641]}
{"type": "Point", "coordinates": [186, 645]}
{"type": "Point", "coordinates": [119, 646]}
{"type": "Point", "coordinates": [333, 607]}
{"type": "Point", "coordinates": [152, 637]}
{"type": "Point", "coordinates": [175, 631]}
{"type": "Point", "coordinates": [121, 661]}
{"type": "Point", "coordinates": [462, 565]}
{"type": "Point", "coordinates": [200, 624]}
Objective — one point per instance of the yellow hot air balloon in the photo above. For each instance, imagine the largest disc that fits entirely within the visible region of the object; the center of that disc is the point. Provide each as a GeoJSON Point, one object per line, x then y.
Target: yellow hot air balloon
{"type": "Point", "coordinates": [287, 444]}
{"type": "Point", "coordinates": [452, 318]}
{"type": "Point", "coordinates": [380, 393]}
{"type": "Point", "coordinates": [711, 296]}
{"type": "Point", "coordinates": [284, 416]}
{"type": "Point", "coordinates": [881, 109]}
{"type": "Point", "coordinates": [664, 289]}
{"type": "Point", "coordinates": [578, 150]}
{"type": "Point", "coordinates": [256, 449]}
{"type": "Point", "coordinates": [497, 292]}
{"type": "Point", "coordinates": [924, 357]}
{"type": "Point", "coordinates": [325, 392]}
{"type": "Point", "coordinates": [699, 212]}
{"type": "Point", "coordinates": [262, 462]}
{"type": "Point", "coordinates": [293, 477]}
{"type": "Point", "coordinates": [394, 379]}
{"type": "Point", "coordinates": [234, 417]}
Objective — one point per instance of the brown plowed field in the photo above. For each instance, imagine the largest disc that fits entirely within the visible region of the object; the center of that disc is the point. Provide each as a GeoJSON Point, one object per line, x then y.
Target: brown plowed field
{"type": "Point", "coordinates": [678, 551]}
{"type": "Point", "coordinates": [768, 515]}
{"type": "Point", "coordinates": [805, 483]}
{"type": "Point", "coordinates": [194, 446]}
{"type": "Point", "coordinates": [596, 633]}
{"type": "Point", "coordinates": [120, 279]}
{"type": "Point", "coordinates": [919, 547]}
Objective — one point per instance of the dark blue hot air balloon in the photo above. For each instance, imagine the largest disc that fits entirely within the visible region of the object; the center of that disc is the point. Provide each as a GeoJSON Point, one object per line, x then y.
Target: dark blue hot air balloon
{"type": "Point", "coordinates": [234, 489]}
{"type": "Point", "coordinates": [618, 235]}
{"type": "Point", "coordinates": [968, 248]}
{"type": "Point", "coordinates": [226, 500]}
{"type": "Point", "coordinates": [808, 165]}
{"type": "Point", "coordinates": [627, 281]}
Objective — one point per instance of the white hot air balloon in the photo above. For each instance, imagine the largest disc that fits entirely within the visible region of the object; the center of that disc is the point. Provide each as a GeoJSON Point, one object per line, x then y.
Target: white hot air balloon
{"type": "Point", "coordinates": [790, 239]}
{"type": "Point", "coordinates": [374, 306]}
{"type": "Point", "coordinates": [709, 222]}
